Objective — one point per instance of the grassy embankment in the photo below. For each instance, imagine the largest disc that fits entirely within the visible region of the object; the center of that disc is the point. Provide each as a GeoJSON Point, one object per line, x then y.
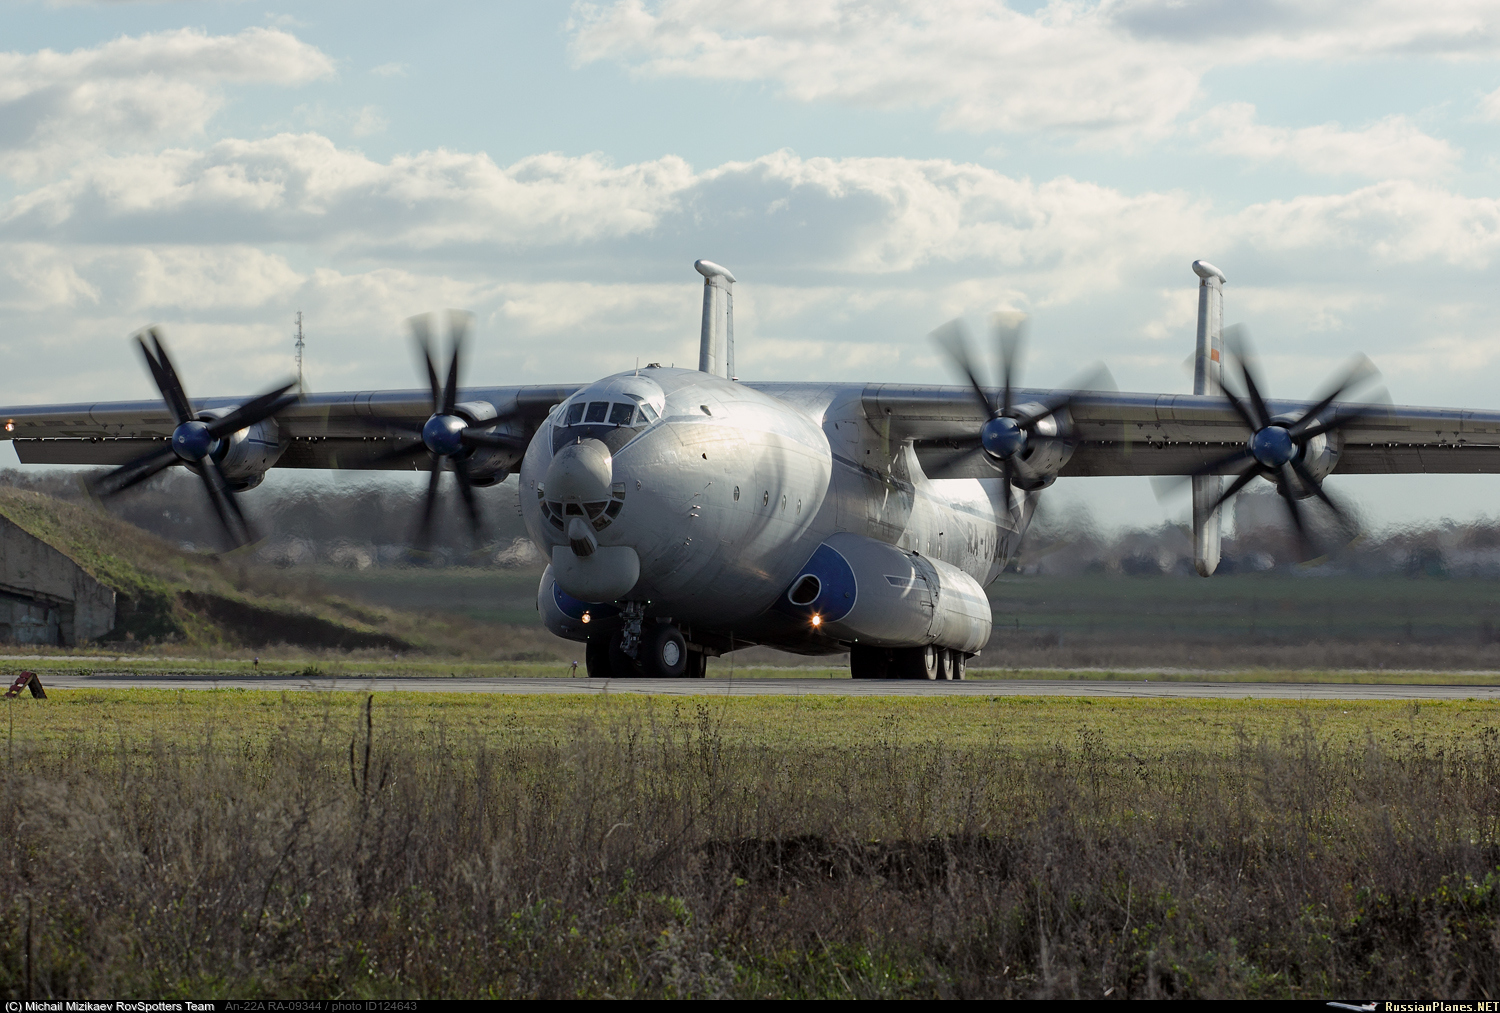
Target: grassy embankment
{"type": "Point", "coordinates": [174, 602]}
{"type": "Point", "coordinates": [164, 843]}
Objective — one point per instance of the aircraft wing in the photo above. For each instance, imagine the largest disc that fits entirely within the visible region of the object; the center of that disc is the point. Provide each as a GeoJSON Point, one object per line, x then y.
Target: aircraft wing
{"type": "Point", "coordinates": [1175, 434]}
{"type": "Point", "coordinates": [322, 431]}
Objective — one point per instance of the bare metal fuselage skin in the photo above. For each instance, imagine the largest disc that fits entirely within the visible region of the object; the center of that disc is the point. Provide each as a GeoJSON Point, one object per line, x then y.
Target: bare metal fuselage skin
{"type": "Point", "coordinates": [727, 494]}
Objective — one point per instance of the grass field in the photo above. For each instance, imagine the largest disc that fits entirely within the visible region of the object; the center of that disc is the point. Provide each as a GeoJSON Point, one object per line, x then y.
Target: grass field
{"type": "Point", "coordinates": [247, 843]}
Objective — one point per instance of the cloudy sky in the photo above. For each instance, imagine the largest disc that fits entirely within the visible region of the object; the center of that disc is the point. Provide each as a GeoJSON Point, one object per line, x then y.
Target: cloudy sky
{"type": "Point", "coordinates": [868, 170]}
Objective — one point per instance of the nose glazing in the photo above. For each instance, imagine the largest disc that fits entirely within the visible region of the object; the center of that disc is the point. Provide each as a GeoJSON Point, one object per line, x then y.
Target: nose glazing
{"type": "Point", "coordinates": [580, 473]}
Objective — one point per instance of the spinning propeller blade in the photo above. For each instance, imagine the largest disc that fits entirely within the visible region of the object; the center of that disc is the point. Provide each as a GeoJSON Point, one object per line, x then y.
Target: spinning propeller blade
{"type": "Point", "coordinates": [1276, 447]}
{"type": "Point", "coordinates": [194, 441]}
{"type": "Point", "coordinates": [1005, 435]}
{"type": "Point", "coordinates": [448, 438]}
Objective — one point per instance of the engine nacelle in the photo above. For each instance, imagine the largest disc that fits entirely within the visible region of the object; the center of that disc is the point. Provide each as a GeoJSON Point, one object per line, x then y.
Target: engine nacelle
{"type": "Point", "coordinates": [858, 590]}
{"type": "Point", "coordinates": [246, 455]}
{"type": "Point", "coordinates": [1048, 447]}
{"type": "Point", "coordinates": [1320, 455]}
{"type": "Point", "coordinates": [487, 465]}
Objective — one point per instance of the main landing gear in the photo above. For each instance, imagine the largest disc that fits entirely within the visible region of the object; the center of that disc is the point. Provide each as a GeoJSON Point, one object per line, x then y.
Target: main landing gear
{"type": "Point", "coordinates": [928, 662]}
{"type": "Point", "coordinates": [660, 653]}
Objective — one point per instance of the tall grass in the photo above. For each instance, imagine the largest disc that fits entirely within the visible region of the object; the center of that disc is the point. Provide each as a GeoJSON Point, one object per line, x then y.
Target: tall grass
{"type": "Point", "coordinates": [643, 852]}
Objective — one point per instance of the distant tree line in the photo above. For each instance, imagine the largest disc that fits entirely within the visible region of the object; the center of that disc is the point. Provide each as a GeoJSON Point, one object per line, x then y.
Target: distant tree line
{"type": "Point", "coordinates": [1261, 539]}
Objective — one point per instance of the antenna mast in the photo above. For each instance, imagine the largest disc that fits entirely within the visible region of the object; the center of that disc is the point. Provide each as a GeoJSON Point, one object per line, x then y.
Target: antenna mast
{"type": "Point", "coordinates": [301, 388]}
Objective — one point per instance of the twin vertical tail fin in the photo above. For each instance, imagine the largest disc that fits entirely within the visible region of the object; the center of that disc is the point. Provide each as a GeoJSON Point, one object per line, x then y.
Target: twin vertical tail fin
{"type": "Point", "coordinates": [716, 346]}
{"type": "Point", "coordinates": [1208, 367]}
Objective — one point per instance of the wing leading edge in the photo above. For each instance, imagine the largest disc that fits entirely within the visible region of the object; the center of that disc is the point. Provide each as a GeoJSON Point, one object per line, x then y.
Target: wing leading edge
{"type": "Point", "coordinates": [1176, 434]}
{"type": "Point", "coordinates": [321, 431]}
{"type": "Point", "coordinates": [1117, 433]}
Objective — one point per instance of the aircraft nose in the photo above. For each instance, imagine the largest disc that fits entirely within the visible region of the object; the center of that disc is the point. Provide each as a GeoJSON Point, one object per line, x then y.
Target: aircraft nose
{"type": "Point", "coordinates": [580, 473]}
{"type": "Point", "coordinates": [580, 494]}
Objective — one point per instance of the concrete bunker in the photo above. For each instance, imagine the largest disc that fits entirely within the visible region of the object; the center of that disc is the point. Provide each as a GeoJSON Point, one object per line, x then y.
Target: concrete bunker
{"type": "Point", "coordinates": [45, 597]}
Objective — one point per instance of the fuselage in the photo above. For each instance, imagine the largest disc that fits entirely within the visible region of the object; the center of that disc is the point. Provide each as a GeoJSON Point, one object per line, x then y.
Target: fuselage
{"type": "Point", "coordinates": [723, 491]}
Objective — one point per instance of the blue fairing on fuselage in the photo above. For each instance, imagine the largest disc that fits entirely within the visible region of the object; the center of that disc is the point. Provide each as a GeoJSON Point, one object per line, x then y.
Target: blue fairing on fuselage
{"type": "Point", "coordinates": [837, 590]}
{"type": "Point", "coordinates": [574, 608]}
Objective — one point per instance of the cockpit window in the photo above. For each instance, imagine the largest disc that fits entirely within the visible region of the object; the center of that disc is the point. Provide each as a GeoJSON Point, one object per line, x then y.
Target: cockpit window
{"type": "Point", "coordinates": [630, 414]}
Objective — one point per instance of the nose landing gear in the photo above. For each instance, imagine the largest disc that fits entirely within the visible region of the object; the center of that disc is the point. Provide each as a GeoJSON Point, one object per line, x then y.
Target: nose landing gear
{"type": "Point", "coordinates": [661, 653]}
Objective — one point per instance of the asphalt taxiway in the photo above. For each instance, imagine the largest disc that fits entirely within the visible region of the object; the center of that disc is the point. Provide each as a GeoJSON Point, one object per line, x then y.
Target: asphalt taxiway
{"type": "Point", "coordinates": [791, 687]}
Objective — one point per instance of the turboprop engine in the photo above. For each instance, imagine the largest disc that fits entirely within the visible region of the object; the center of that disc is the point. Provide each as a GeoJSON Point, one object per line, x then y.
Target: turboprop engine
{"type": "Point", "coordinates": [864, 592]}
{"type": "Point", "coordinates": [245, 455]}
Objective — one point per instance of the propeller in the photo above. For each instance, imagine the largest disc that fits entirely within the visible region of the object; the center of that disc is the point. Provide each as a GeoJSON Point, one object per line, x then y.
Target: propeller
{"type": "Point", "coordinates": [193, 442]}
{"type": "Point", "coordinates": [1007, 433]}
{"type": "Point", "coordinates": [1276, 447]}
{"type": "Point", "coordinates": [447, 437]}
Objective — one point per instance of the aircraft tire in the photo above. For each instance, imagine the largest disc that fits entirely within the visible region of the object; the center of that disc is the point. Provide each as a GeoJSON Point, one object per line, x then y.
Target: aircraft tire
{"type": "Point", "coordinates": [697, 665]}
{"type": "Point", "coordinates": [960, 664]}
{"type": "Point", "coordinates": [916, 662]}
{"type": "Point", "coordinates": [869, 662]}
{"type": "Point", "coordinates": [945, 663]}
{"type": "Point", "coordinates": [621, 665]}
{"type": "Point", "coordinates": [663, 653]}
{"type": "Point", "coordinates": [596, 656]}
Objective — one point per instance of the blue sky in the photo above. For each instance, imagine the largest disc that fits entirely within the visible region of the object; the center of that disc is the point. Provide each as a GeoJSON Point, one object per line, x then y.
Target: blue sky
{"type": "Point", "coordinates": [868, 170]}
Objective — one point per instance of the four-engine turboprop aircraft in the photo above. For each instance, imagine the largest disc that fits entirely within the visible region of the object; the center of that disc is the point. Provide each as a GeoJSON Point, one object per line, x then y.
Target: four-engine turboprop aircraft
{"type": "Point", "coordinates": [687, 513]}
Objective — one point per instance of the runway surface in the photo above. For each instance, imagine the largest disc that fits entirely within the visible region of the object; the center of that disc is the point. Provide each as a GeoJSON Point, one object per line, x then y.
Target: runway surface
{"type": "Point", "coordinates": [798, 687]}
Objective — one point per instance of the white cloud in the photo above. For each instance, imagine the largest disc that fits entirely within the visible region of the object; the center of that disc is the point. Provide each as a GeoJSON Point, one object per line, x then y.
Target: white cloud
{"type": "Point", "coordinates": [1122, 70]}
{"type": "Point", "coordinates": [847, 262]}
{"type": "Point", "coordinates": [133, 92]}
{"type": "Point", "coordinates": [1489, 106]}
{"type": "Point", "coordinates": [986, 67]}
{"type": "Point", "coordinates": [370, 120]}
{"type": "Point", "coordinates": [1395, 222]}
{"type": "Point", "coordinates": [1391, 148]}
{"type": "Point", "coordinates": [854, 216]}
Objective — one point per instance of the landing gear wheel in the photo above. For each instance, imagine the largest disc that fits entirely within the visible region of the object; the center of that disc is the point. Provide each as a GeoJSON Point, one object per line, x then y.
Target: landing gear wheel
{"type": "Point", "coordinates": [621, 665]}
{"type": "Point", "coordinates": [945, 663]}
{"type": "Point", "coordinates": [869, 662]}
{"type": "Point", "coordinates": [960, 664]}
{"type": "Point", "coordinates": [916, 662]}
{"type": "Point", "coordinates": [697, 665]}
{"type": "Point", "coordinates": [663, 653]}
{"type": "Point", "coordinates": [605, 660]}
{"type": "Point", "coordinates": [596, 656]}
